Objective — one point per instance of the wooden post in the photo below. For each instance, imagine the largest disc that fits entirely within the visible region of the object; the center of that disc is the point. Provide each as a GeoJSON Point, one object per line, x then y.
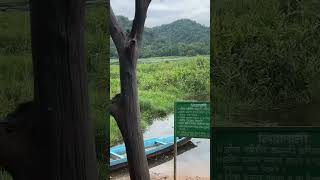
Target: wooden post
{"type": "Point", "coordinates": [175, 159]}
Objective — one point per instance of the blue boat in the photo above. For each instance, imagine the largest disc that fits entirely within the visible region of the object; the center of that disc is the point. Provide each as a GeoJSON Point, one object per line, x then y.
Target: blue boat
{"type": "Point", "coordinates": [153, 147]}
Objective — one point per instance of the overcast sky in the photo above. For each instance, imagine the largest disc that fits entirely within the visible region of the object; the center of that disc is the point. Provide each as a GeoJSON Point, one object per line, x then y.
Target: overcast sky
{"type": "Point", "coordinates": [166, 11]}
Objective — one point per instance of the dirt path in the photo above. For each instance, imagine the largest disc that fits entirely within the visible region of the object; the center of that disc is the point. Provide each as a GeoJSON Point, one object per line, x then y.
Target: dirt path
{"type": "Point", "coordinates": [158, 176]}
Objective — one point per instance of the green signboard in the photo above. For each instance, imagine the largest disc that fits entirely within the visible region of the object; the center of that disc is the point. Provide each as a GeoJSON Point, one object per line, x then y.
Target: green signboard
{"type": "Point", "coordinates": [192, 119]}
{"type": "Point", "coordinates": [272, 153]}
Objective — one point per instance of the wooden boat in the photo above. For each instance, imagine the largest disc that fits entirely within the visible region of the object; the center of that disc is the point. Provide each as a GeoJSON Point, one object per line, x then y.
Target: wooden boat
{"type": "Point", "coordinates": [153, 147]}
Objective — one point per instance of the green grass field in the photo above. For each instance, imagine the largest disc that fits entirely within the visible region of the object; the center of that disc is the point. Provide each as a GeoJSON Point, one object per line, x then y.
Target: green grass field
{"type": "Point", "coordinates": [159, 59]}
{"type": "Point", "coordinates": [161, 83]}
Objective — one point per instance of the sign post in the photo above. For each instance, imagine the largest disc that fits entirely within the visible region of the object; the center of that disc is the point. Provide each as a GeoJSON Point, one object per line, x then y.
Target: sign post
{"type": "Point", "coordinates": [175, 159]}
{"type": "Point", "coordinates": [191, 119]}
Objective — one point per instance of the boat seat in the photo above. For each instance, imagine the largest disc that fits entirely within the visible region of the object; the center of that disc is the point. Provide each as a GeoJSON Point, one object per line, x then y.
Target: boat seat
{"type": "Point", "coordinates": [160, 142]}
{"type": "Point", "coordinates": [115, 154]}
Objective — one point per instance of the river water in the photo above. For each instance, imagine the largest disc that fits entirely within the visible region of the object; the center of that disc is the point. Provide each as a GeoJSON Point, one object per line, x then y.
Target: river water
{"type": "Point", "coordinates": [193, 161]}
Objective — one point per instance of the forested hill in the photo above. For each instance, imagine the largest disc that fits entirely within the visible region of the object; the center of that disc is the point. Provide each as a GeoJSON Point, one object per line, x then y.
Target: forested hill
{"type": "Point", "coordinates": [183, 37]}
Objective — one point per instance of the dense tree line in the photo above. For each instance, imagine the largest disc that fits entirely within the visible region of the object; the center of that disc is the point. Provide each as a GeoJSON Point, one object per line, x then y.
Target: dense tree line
{"type": "Point", "coordinates": [180, 38]}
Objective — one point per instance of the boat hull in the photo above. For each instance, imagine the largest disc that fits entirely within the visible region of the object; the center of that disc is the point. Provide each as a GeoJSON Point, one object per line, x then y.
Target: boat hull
{"type": "Point", "coordinates": [159, 146]}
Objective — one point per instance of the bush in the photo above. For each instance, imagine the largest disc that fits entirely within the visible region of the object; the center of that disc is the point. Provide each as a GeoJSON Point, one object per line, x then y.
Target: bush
{"type": "Point", "coordinates": [265, 53]}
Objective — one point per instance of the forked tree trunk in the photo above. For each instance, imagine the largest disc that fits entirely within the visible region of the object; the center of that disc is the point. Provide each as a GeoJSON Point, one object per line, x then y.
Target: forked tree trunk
{"type": "Point", "coordinates": [125, 107]}
{"type": "Point", "coordinates": [55, 129]}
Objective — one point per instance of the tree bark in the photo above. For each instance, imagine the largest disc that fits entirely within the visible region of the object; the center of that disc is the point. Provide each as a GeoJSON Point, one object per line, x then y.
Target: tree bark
{"type": "Point", "coordinates": [125, 107]}
{"type": "Point", "coordinates": [52, 137]}
{"type": "Point", "coordinates": [61, 91]}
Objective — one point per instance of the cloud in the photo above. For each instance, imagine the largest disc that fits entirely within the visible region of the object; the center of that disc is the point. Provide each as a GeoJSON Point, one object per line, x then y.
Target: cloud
{"type": "Point", "coordinates": [166, 11]}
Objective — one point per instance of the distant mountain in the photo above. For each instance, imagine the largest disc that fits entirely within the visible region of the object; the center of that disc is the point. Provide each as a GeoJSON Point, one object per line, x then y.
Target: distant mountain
{"type": "Point", "coordinates": [183, 37]}
{"type": "Point", "coordinates": [184, 30]}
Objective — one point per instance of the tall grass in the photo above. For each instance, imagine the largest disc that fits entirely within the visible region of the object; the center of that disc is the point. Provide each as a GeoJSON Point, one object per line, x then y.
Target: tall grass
{"type": "Point", "coordinates": [265, 54]}
{"type": "Point", "coordinates": [162, 83]}
{"type": "Point", "coordinates": [15, 33]}
{"type": "Point", "coordinates": [16, 82]}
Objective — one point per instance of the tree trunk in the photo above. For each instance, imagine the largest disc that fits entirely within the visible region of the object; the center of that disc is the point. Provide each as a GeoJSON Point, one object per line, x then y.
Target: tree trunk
{"type": "Point", "coordinates": [55, 129]}
{"type": "Point", "coordinates": [125, 107]}
{"type": "Point", "coordinates": [129, 116]}
{"type": "Point", "coordinates": [66, 141]}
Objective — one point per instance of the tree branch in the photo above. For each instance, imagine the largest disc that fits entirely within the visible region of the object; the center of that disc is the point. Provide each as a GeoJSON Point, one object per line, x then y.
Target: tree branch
{"type": "Point", "coordinates": [139, 19]}
{"type": "Point", "coordinates": [116, 32]}
{"type": "Point", "coordinates": [115, 110]}
{"type": "Point", "coordinates": [115, 105]}
{"type": "Point", "coordinates": [117, 113]}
